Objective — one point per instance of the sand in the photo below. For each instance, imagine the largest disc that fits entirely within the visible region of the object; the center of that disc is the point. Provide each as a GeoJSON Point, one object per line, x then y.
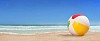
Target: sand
{"type": "Point", "coordinates": [54, 36]}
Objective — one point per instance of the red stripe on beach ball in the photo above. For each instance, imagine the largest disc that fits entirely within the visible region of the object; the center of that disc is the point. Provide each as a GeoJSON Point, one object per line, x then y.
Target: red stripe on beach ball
{"type": "Point", "coordinates": [76, 15]}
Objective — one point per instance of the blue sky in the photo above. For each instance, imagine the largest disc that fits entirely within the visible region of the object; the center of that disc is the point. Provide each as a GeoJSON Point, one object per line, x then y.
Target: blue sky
{"type": "Point", "coordinates": [47, 11]}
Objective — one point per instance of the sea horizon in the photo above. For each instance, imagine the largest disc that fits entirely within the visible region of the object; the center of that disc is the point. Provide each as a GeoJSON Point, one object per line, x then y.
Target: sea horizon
{"type": "Point", "coordinates": [41, 25]}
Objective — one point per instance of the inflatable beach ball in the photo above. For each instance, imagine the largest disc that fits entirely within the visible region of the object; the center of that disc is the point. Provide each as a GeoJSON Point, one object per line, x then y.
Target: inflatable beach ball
{"type": "Point", "coordinates": [78, 24]}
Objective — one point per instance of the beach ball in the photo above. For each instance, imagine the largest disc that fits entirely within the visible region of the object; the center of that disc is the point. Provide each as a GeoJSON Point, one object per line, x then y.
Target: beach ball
{"type": "Point", "coordinates": [78, 24]}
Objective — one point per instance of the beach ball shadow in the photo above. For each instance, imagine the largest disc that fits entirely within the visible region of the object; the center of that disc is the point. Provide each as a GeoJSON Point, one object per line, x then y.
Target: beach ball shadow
{"type": "Point", "coordinates": [68, 35]}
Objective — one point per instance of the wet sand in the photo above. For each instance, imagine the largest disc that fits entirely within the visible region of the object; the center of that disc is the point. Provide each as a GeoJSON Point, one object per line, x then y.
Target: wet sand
{"type": "Point", "coordinates": [54, 36]}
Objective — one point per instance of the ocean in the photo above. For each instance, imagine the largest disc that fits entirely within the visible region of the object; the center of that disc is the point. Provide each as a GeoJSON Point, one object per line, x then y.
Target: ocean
{"type": "Point", "coordinates": [34, 29]}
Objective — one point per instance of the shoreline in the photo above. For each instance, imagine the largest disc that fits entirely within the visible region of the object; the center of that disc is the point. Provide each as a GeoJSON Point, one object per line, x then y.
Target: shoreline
{"type": "Point", "coordinates": [54, 36]}
{"type": "Point", "coordinates": [30, 34]}
{"type": "Point", "coordinates": [40, 33]}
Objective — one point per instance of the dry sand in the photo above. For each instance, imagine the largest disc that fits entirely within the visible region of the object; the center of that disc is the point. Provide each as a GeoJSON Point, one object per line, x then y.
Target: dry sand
{"type": "Point", "coordinates": [55, 36]}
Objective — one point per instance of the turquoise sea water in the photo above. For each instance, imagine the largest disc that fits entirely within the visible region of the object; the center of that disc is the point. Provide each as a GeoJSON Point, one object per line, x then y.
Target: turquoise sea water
{"type": "Point", "coordinates": [33, 29]}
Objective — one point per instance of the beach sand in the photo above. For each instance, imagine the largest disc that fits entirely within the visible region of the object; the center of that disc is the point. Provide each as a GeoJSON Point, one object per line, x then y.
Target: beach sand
{"type": "Point", "coordinates": [54, 36]}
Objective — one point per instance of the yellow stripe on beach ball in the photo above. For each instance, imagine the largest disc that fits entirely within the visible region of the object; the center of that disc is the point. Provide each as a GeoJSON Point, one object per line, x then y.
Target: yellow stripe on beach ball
{"type": "Point", "coordinates": [79, 28]}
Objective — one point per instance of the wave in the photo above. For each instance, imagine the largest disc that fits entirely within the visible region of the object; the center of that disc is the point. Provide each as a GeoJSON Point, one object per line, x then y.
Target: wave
{"type": "Point", "coordinates": [28, 34]}
{"type": "Point", "coordinates": [31, 29]}
{"type": "Point", "coordinates": [38, 29]}
{"type": "Point", "coordinates": [31, 26]}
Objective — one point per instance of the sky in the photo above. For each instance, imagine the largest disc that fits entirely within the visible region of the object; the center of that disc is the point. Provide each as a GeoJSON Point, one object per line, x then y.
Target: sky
{"type": "Point", "coordinates": [47, 11]}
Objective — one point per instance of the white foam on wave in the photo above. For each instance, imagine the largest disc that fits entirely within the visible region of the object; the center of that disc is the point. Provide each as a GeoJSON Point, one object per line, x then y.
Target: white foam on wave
{"type": "Point", "coordinates": [29, 34]}
{"type": "Point", "coordinates": [8, 33]}
{"type": "Point", "coordinates": [31, 29]}
{"type": "Point", "coordinates": [7, 28]}
{"type": "Point", "coordinates": [40, 27]}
